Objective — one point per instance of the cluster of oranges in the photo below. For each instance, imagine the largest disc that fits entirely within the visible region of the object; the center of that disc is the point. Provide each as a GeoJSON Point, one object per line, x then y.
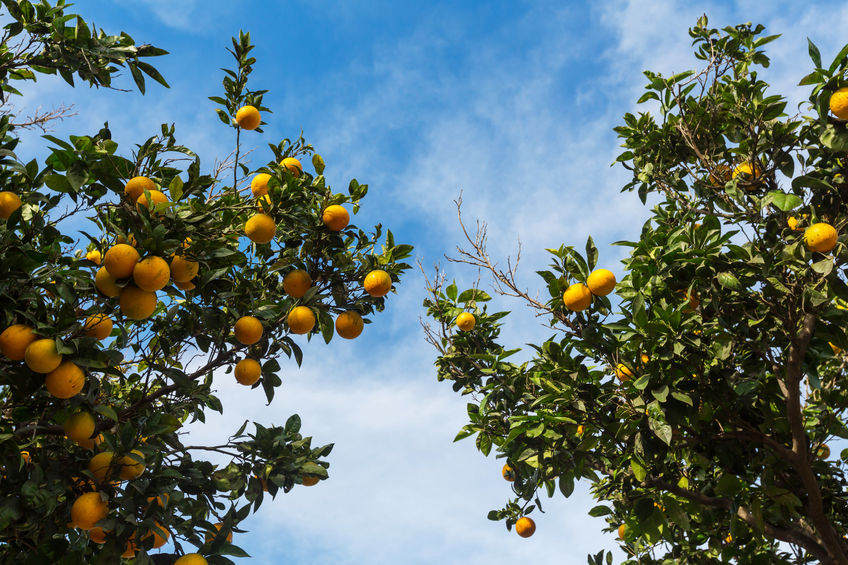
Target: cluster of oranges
{"type": "Point", "coordinates": [578, 296]}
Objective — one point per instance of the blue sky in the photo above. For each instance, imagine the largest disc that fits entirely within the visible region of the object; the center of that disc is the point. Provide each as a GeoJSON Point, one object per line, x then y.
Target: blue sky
{"type": "Point", "coordinates": [511, 103]}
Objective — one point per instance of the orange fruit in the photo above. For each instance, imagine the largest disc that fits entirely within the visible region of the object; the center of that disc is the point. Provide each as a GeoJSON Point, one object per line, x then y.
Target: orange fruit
{"type": "Point", "coordinates": [260, 228]}
{"type": "Point", "coordinates": [161, 500]}
{"type": "Point", "coordinates": [623, 373]}
{"type": "Point", "coordinates": [577, 297]}
{"type": "Point", "coordinates": [106, 283]}
{"type": "Point", "coordinates": [335, 217]}
{"type": "Point", "coordinates": [296, 283]}
{"type": "Point", "coordinates": [248, 371]}
{"type": "Point", "coordinates": [191, 559]}
{"type": "Point", "coordinates": [91, 443]}
{"type": "Point", "coordinates": [580, 430]}
{"type": "Point", "coordinates": [151, 273]}
{"type": "Point", "coordinates": [94, 256]}
{"type": "Point", "coordinates": [130, 466]}
{"type": "Point", "coordinates": [751, 173]}
{"type": "Point", "coordinates": [264, 202]}
{"type": "Point", "coordinates": [622, 531]}
{"type": "Point", "coordinates": [41, 356]}
{"type": "Point", "coordinates": [131, 549]}
{"type": "Point", "coordinates": [310, 481]}
{"type": "Point", "coordinates": [97, 535]}
{"type": "Point", "coordinates": [248, 117]}
{"type": "Point", "coordinates": [301, 320]}
{"type": "Point", "coordinates": [259, 184]}
{"type": "Point", "coordinates": [525, 527]}
{"type": "Point", "coordinates": [248, 330]}
{"type": "Point", "coordinates": [25, 456]}
{"type": "Point", "coordinates": [820, 237]}
{"type": "Point", "coordinates": [644, 359]}
{"type": "Point", "coordinates": [183, 270]}
{"type": "Point", "coordinates": [692, 299]}
{"type": "Point", "coordinates": [120, 260]}
{"type": "Point", "coordinates": [88, 509]}
{"type": "Point", "coordinates": [98, 326]}
{"type": "Point", "coordinates": [349, 324]}
{"type": "Point", "coordinates": [136, 186]}
{"type": "Point", "coordinates": [377, 283]}
{"type": "Point", "coordinates": [188, 285]}
{"type": "Point", "coordinates": [101, 466]}
{"type": "Point", "coordinates": [601, 282]}
{"type": "Point", "coordinates": [9, 202]}
{"type": "Point", "coordinates": [839, 103]}
{"type": "Point", "coordinates": [14, 341]}
{"type": "Point", "coordinates": [137, 304]}
{"type": "Point", "coordinates": [721, 175]}
{"type": "Point", "coordinates": [823, 452]}
{"type": "Point", "coordinates": [293, 166]}
{"type": "Point", "coordinates": [132, 241]}
{"type": "Point", "coordinates": [508, 472]}
{"type": "Point", "coordinates": [65, 381]}
{"type": "Point", "coordinates": [158, 539]}
{"type": "Point", "coordinates": [156, 197]}
{"type": "Point", "coordinates": [79, 426]}
{"type": "Point", "coordinates": [466, 321]}
{"type": "Point", "coordinates": [212, 535]}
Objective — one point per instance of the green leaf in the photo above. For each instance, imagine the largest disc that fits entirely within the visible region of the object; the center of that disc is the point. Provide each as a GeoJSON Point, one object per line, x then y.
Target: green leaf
{"type": "Point", "coordinates": [728, 280]}
{"type": "Point", "coordinates": [599, 511]}
{"type": "Point", "coordinates": [591, 253]}
{"type": "Point", "coordinates": [176, 188]}
{"type": "Point", "coordinates": [815, 55]}
{"type": "Point", "coordinates": [638, 470]}
{"type": "Point", "coordinates": [785, 202]}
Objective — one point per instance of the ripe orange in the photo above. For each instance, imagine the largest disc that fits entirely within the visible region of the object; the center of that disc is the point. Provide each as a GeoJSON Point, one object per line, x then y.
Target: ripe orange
{"type": "Point", "coordinates": [161, 500]}
{"type": "Point", "coordinates": [94, 256]}
{"type": "Point", "coordinates": [41, 356]}
{"type": "Point", "coordinates": [623, 373]}
{"type": "Point", "coordinates": [248, 117]}
{"type": "Point", "coordinates": [335, 217]}
{"type": "Point", "coordinates": [264, 202]}
{"type": "Point", "coordinates": [88, 509]}
{"type": "Point", "coordinates": [248, 371]}
{"type": "Point", "coordinates": [301, 320]}
{"type": "Point", "coordinates": [601, 282]}
{"type": "Point", "coordinates": [91, 443]}
{"type": "Point", "coordinates": [158, 539]}
{"type": "Point", "coordinates": [823, 452]}
{"type": "Point", "coordinates": [130, 466]}
{"type": "Point", "coordinates": [248, 330]}
{"type": "Point", "coordinates": [839, 103]}
{"type": "Point", "coordinates": [692, 300]}
{"type": "Point", "coordinates": [191, 559]}
{"type": "Point", "coordinates": [525, 527]}
{"type": "Point", "coordinates": [580, 430]}
{"type": "Point", "coordinates": [131, 549]}
{"type": "Point", "coordinates": [378, 283]}
{"type": "Point", "coordinates": [577, 297]}
{"type": "Point", "coordinates": [156, 197]}
{"type": "Point", "coordinates": [260, 228]}
{"type": "Point", "coordinates": [136, 186]}
{"type": "Point", "coordinates": [508, 472]}
{"type": "Point", "coordinates": [721, 174]}
{"type": "Point", "coordinates": [132, 241]}
{"type": "Point", "coordinates": [751, 173]}
{"type": "Point", "coordinates": [120, 260]}
{"type": "Point", "coordinates": [101, 466]}
{"type": "Point", "coordinates": [622, 531]}
{"type": "Point", "coordinates": [259, 184]}
{"type": "Point", "coordinates": [212, 535]}
{"type": "Point", "coordinates": [466, 321]}
{"type": "Point", "coordinates": [14, 341]}
{"type": "Point", "coordinates": [310, 481]}
{"type": "Point", "coordinates": [9, 202]}
{"type": "Point", "coordinates": [183, 270]}
{"type": "Point", "coordinates": [293, 166]}
{"type": "Point", "coordinates": [296, 283]}
{"type": "Point", "coordinates": [820, 237]}
{"type": "Point", "coordinates": [97, 535]}
{"type": "Point", "coordinates": [349, 324]}
{"type": "Point", "coordinates": [98, 326]}
{"type": "Point", "coordinates": [106, 283]}
{"type": "Point", "coordinates": [188, 285]}
{"type": "Point", "coordinates": [65, 381]}
{"type": "Point", "coordinates": [151, 273]}
{"type": "Point", "coordinates": [137, 304]}
{"type": "Point", "coordinates": [79, 426]}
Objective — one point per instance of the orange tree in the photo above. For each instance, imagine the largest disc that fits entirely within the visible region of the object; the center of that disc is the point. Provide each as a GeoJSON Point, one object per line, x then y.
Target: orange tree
{"type": "Point", "coordinates": [107, 352]}
{"type": "Point", "coordinates": [698, 398]}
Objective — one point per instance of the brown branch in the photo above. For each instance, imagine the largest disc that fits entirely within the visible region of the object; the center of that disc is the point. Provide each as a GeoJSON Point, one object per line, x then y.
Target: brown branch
{"type": "Point", "coordinates": [41, 119]}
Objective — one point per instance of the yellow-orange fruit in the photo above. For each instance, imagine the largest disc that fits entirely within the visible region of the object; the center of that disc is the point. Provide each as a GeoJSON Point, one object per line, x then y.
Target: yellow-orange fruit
{"type": "Point", "coordinates": [260, 228]}
{"type": "Point", "coordinates": [466, 321]}
{"type": "Point", "coordinates": [577, 297]}
{"type": "Point", "coordinates": [188, 285]}
{"type": "Point", "coordinates": [248, 117]}
{"type": "Point", "coordinates": [508, 472]}
{"type": "Point", "coordinates": [42, 356]}
{"type": "Point", "coordinates": [9, 202]}
{"type": "Point", "coordinates": [191, 559]}
{"type": "Point", "coordinates": [156, 197]}
{"type": "Point", "coordinates": [106, 283]}
{"type": "Point", "coordinates": [91, 443]}
{"type": "Point", "coordinates": [14, 341]}
{"type": "Point", "coordinates": [525, 527]}
{"type": "Point", "coordinates": [94, 256]}
{"type": "Point", "coordinates": [622, 531]}
{"type": "Point", "coordinates": [158, 539]}
{"type": "Point", "coordinates": [137, 304]}
{"type": "Point", "coordinates": [97, 535]}
{"type": "Point", "coordinates": [101, 467]}
{"type": "Point", "coordinates": [623, 373]}
{"type": "Point", "coordinates": [310, 481]}
{"type": "Point", "coordinates": [335, 217]}
{"type": "Point", "coordinates": [151, 273]}
{"type": "Point", "coordinates": [349, 325]}
{"type": "Point", "coordinates": [88, 509]}
{"type": "Point", "coordinates": [65, 381]}
{"type": "Point", "coordinates": [79, 426]}
{"type": "Point", "coordinates": [130, 466]}
{"type": "Point", "coordinates": [820, 237]}
{"type": "Point", "coordinates": [301, 320]}
{"type": "Point", "coordinates": [293, 166]}
{"type": "Point", "coordinates": [211, 535]}
{"type": "Point", "coordinates": [248, 330]}
{"type": "Point", "coordinates": [248, 371]}
{"type": "Point", "coordinates": [136, 186]}
{"type": "Point", "coordinates": [839, 103]}
{"type": "Point", "coordinates": [98, 326]}
{"type": "Point", "coordinates": [296, 283]}
{"type": "Point", "coordinates": [377, 283]}
{"type": "Point", "coordinates": [601, 282]}
{"type": "Point", "coordinates": [183, 270]}
{"type": "Point", "coordinates": [259, 184]}
{"type": "Point", "coordinates": [120, 260]}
